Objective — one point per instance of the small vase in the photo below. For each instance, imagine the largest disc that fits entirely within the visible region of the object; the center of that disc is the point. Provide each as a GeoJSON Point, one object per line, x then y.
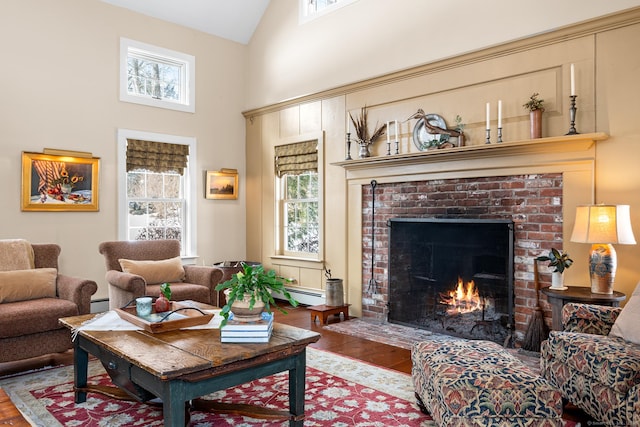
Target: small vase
{"type": "Point", "coordinates": [66, 188]}
{"type": "Point", "coordinates": [364, 150]}
{"type": "Point", "coordinates": [461, 139]}
{"type": "Point", "coordinates": [535, 117]}
{"type": "Point", "coordinates": [557, 281]}
{"type": "Point", "coordinates": [241, 311]}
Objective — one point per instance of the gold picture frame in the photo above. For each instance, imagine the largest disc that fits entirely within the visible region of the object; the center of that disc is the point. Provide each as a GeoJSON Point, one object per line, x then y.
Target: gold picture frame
{"type": "Point", "coordinates": [53, 182]}
{"type": "Point", "coordinates": [222, 184]}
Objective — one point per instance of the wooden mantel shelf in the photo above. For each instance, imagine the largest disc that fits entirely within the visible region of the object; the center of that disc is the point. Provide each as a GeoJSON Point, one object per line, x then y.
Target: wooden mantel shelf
{"type": "Point", "coordinates": [556, 144]}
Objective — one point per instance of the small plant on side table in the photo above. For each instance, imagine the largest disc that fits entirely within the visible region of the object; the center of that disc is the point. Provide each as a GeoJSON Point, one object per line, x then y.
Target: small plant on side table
{"type": "Point", "coordinates": [557, 259]}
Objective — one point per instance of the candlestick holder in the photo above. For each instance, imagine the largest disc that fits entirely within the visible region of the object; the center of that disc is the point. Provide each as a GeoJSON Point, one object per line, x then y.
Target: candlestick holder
{"type": "Point", "coordinates": [572, 116]}
{"type": "Point", "coordinates": [499, 135]}
{"type": "Point", "coordinates": [348, 147]}
{"type": "Point", "coordinates": [388, 148]}
{"type": "Point", "coordinates": [397, 146]}
{"type": "Point", "coordinates": [488, 139]}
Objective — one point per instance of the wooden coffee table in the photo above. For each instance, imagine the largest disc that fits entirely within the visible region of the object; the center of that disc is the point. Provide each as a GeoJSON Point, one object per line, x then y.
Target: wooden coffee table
{"type": "Point", "coordinates": [180, 366]}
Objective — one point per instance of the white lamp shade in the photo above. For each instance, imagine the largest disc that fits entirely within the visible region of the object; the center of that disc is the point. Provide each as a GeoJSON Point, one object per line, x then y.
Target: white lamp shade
{"type": "Point", "coordinates": [603, 224]}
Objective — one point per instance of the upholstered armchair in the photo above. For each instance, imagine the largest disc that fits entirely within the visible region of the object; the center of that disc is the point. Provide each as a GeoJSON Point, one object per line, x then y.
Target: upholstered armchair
{"type": "Point", "coordinates": [33, 296]}
{"type": "Point", "coordinates": [595, 368]}
{"type": "Point", "coordinates": [136, 268]}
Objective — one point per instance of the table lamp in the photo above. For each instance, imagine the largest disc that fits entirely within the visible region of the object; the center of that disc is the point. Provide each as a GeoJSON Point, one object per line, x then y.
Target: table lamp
{"type": "Point", "coordinates": [603, 225]}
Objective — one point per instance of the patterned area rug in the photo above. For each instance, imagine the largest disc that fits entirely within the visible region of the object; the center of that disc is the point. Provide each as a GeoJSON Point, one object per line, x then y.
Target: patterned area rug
{"type": "Point", "coordinates": [339, 392]}
{"type": "Point", "coordinates": [404, 336]}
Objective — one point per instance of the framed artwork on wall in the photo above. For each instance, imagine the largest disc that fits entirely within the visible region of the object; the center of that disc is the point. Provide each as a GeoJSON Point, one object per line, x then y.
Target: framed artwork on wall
{"type": "Point", "coordinates": [53, 182]}
{"type": "Point", "coordinates": [222, 184]}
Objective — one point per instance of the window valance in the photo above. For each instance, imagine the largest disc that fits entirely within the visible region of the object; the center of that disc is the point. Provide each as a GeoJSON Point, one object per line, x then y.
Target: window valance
{"type": "Point", "coordinates": [156, 156]}
{"type": "Point", "coordinates": [297, 158]}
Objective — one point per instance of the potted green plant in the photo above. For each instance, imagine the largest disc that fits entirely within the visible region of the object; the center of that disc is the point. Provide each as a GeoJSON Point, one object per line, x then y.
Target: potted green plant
{"type": "Point", "coordinates": [249, 292]}
{"type": "Point", "coordinates": [536, 108]}
{"type": "Point", "coordinates": [559, 261]}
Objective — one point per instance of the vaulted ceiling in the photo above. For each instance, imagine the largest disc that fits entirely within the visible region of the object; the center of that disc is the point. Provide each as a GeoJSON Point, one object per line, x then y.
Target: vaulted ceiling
{"type": "Point", "coordinates": [235, 20]}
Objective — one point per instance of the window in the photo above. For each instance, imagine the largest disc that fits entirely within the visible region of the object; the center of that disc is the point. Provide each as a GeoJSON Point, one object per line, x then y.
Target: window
{"type": "Point", "coordinates": [300, 213]}
{"type": "Point", "coordinates": [311, 9]}
{"type": "Point", "coordinates": [299, 205]}
{"type": "Point", "coordinates": [158, 77]}
{"type": "Point", "coordinates": [156, 188]}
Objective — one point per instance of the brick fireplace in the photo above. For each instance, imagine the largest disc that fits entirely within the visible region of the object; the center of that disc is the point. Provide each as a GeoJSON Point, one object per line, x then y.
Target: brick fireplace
{"type": "Point", "coordinates": [537, 184]}
{"type": "Point", "coordinates": [533, 202]}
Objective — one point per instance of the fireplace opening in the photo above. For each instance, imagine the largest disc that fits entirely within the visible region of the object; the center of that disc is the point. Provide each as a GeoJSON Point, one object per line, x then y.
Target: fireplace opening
{"type": "Point", "coordinates": [452, 276]}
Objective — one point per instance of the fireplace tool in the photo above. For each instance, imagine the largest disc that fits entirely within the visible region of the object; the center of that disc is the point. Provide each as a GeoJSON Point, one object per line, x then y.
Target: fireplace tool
{"type": "Point", "coordinates": [373, 285]}
{"type": "Point", "coordinates": [537, 331]}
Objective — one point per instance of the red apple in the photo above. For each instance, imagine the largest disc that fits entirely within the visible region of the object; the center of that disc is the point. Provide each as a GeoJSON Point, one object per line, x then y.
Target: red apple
{"type": "Point", "coordinates": [162, 304]}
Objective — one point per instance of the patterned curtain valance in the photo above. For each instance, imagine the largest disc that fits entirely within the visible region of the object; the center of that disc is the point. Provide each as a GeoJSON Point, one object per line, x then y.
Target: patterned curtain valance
{"type": "Point", "coordinates": [297, 158]}
{"type": "Point", "coordinates": [156, 156]}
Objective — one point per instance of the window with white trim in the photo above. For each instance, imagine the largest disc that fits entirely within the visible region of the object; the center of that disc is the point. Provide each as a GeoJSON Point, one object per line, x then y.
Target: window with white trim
{"type": "Point", "coordinates": [298, 198]}
{"type": "Point", "coordinates": [311, 9]}
{"type": "Point", "coordinates": [156, 188]}
{"type": "Point", "coordinates": [155, 76]}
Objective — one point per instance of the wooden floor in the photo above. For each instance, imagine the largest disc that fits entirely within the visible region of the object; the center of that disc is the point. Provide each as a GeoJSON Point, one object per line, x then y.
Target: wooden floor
{"type": "Point", "coordinates": [376, 353]}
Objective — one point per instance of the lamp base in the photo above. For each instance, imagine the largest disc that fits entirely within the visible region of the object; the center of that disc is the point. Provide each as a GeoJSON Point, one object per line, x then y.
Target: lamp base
{"type": "Point", "coordinates": [603, 262]}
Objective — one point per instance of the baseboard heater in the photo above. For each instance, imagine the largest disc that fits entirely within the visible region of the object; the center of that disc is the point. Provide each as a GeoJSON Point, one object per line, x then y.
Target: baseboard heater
{"type": "Point", "coordinates": [304, 296]}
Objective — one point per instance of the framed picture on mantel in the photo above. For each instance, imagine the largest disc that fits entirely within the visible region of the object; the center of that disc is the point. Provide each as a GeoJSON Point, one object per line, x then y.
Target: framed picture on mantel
{"type": "Point", "coordinates": [66, 182]}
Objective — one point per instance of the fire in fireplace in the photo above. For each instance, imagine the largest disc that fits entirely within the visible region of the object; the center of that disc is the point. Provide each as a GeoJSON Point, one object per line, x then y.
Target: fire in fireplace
{"type": "Point", "coordinates": [452, 276]}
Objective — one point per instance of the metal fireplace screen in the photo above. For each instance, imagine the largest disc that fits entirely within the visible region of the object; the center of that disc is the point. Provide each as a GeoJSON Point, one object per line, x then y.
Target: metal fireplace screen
{"type": "Point", "coordinates": [452, 276]}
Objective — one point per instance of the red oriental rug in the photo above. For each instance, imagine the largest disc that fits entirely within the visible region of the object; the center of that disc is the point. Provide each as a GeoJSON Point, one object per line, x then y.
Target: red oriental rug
{"type": "Point", "coordinates": [339, 392]}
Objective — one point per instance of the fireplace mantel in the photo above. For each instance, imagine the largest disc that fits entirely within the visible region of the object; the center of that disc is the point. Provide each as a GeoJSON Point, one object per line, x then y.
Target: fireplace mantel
{"type": "Point", "coordinates": [475, 157]}
{"type": "Point", "coordinates": [573, 156]}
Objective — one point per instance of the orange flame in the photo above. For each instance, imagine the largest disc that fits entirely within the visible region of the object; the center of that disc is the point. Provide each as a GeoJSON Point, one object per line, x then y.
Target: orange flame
{"type": "Point", "coordinates": [464, 299]}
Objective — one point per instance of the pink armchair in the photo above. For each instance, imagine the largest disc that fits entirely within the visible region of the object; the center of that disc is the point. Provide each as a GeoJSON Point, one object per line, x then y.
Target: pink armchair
{"type": "Point", "coordinates": [197, 283]}
{"type": "Point", "coordinates": [30, 328]}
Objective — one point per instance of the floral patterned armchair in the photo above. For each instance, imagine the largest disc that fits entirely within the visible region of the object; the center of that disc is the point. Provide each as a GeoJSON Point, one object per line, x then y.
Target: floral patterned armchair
{"type": "Point", "coordinates": [595, 371]}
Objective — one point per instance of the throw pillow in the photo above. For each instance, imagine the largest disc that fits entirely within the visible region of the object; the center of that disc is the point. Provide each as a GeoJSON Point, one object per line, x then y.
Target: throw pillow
{"type": "Point", "coordinates": [155, 272]}
{"type": "Point", "coordinates": [22, 285]}
{"type": "Point", "coordinates": [626, 325]}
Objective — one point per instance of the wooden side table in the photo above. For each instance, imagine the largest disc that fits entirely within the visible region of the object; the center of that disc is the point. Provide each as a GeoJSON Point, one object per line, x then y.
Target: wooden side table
{"type": "Point", "coordinates": [557, 299]}
{"type": "Point", "coordinates": [324, 311]}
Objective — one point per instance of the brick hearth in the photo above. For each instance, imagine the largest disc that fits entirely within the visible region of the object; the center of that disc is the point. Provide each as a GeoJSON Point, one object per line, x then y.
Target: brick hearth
{"type": "Point", "coordinates": [534, 202]}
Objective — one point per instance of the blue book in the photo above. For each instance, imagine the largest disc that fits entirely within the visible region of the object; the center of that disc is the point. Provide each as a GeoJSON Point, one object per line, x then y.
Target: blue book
{"type": "Point", "coordinates": [264, 324]}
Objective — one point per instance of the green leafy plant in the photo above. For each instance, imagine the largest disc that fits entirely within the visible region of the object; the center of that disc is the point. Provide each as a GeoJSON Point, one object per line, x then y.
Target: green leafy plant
{"type": "Point", "coordinates": [558, 259]}
{"type": "Point", "coordinates": [534, 103]}
{"type": "Point", "coordinates": [459, 125]}
{"type": "Point", "coordinates": [165, 288]}
{"type": "Point", "coordinates": [259, 284]}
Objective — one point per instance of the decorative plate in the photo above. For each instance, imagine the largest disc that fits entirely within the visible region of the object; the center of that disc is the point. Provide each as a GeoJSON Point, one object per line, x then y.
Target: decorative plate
{"type": "Point", "coordinates": [425, 140]}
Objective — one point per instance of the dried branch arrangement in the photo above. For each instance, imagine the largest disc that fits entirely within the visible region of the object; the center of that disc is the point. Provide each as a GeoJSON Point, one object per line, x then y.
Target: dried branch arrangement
{"type": "Point", "coordinates": [362, 132]}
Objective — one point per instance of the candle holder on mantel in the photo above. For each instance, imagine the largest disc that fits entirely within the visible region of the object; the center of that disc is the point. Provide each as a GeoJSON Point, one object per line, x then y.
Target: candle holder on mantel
{"type": "Point", "coordinates": [348, 147]}
{"type": "Point", "coordinates": [499, 135]}
{"type": "Point", "coordinates": [488, 138]}
{"type": "Point", "coordinates": [397, 146]}
{"type": "Point", "coordinates": [572, 116]}
{"type": "Point", "coordinates": [388, 148]}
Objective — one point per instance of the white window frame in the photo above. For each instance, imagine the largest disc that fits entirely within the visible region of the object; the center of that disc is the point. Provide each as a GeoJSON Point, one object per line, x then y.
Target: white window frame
{"type": "Point", "coordinates": [188, 84]}
{"type": "Point", "coordinates": [279, 209]}
{"type": "Point", "coordinates": [304, 17]}
{"type": "Point", "coordinates": [190, 186]}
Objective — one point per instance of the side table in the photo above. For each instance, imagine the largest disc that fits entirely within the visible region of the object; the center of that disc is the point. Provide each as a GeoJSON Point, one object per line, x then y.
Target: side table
{"type": "Point", "coordinates": [557, 299]}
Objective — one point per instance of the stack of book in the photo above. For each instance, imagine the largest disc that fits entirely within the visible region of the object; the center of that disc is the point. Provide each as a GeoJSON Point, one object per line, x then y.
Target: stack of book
{"type": "Point", "coordinates": [248, 332]}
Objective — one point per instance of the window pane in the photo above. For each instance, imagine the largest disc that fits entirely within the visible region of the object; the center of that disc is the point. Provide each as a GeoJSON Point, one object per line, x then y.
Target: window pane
{"type": "Point", "coordinates": [155, 186]}
{"type": "Point", "coordinates": [172, 186]}
{"type": "Point", "coordinates": [135, 184]}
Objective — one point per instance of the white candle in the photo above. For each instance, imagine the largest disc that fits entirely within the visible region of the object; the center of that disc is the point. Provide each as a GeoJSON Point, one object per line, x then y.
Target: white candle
{"type": "Point", "coordinates": [396, 130]}
{"type": "Point", "coordinates": [488, 116]}
{"type": "Point", "coordinates": [388, 136]}
{"type": "Point", "coordinates": [573, 80]}
{"type": "Point", "coordinates": [500, 113]}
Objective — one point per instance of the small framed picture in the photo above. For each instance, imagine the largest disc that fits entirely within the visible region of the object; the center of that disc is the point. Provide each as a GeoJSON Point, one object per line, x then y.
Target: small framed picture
{"type": "Point", "coordinates": [59, 182]}
{"type": "Point", "coordinates": [222, 184]}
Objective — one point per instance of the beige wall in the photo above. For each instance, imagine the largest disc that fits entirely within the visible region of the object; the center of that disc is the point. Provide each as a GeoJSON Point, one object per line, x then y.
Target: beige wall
{"type": "Point", "coordinates": [607, 90]}
{"type": "Point", "coordinates": [370, 38]}
{"type": "Point", "coordinates": [60, 90]}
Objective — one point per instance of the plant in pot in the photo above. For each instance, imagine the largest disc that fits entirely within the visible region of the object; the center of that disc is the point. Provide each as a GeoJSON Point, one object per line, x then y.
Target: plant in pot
{"type": "Point", "coordinates": [535, 107]}
{"type": "Point", "coordinates": [559, 261]}
{"type": "Point", "coordinates": [249, 293]}
{"type": "Point", "coordinates": [362, 133]}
